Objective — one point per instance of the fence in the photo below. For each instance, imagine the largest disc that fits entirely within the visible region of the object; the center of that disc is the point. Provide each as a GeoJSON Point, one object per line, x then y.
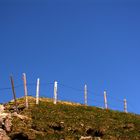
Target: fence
{"type": "Point", "coordinates": [58, 91]}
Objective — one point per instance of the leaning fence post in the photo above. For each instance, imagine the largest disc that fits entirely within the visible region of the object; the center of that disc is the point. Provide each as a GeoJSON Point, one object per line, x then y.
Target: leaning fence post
{"type": "Point", "coordinates": [125, 105]}
{"type": "Point", "coordinates": [25, 90]}
{"type": "Point", "coordinates": [105, 100]}
{"type": "Point", "coordinates": [85, 94]}
{"type": "Point", "coordinates": [14, 94]}
{"type": "Point", "coordinates": [55, 92]}
{"type": "Point", "coordinates": [37, 91]}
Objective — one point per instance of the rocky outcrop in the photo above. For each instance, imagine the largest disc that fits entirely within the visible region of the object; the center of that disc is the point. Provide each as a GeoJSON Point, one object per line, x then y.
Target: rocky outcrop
{"type": "Point", "coordinates": [5, 124]}
{"type": "Point", "coordinates": [22, 117]}
{"type": "Point", "coordinates": [3, 135]}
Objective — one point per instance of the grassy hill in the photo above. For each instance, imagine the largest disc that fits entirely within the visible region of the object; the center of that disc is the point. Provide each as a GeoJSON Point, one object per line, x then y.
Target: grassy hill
{"type": "Point", "coordinates": [69, 121]}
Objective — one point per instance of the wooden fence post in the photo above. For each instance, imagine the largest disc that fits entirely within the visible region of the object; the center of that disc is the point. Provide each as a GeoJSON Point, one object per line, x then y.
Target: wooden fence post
{"type": "Point", "coordinates": [85, 94]}
{"type": "Point", "coordinates": [55, 92]}
{"type": "Point", "coordinates": [14, 94]}
{"type": "Point", "coordinates": [37, 91]}
{"type": "Point", "coordinates": [105, 100]}
{"type": "Point", "coordinates": [125, 105]}
{"type": "Point", "coordinates": [25, 90]}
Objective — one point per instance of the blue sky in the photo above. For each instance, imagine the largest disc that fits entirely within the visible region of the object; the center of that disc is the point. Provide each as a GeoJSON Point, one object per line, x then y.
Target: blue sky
{"type": "Point", "coordinates": [75, 42]}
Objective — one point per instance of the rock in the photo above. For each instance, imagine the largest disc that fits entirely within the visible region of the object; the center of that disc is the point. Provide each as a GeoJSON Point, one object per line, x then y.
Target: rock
{"type": "Point", "coordinates": [5, 121]}
{"type": "Point", "coordinates": [22, 117]}
{"type": "Point", "coordinates": [3, 115]}
{"type": "Point", "coordinates": [8, 123]}
{"type": "Point", "coordinates": [82, 124]}
{"type": "Point", "coordinates": [3, 135]}
{"type": "Point", "coordinates": [86, 138]}
{"type": "Point", "coordinates": [1, 109]}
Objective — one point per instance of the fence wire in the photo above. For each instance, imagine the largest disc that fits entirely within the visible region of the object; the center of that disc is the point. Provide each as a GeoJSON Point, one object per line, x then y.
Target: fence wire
{"type": "Point", "coordinates": [65, 93]}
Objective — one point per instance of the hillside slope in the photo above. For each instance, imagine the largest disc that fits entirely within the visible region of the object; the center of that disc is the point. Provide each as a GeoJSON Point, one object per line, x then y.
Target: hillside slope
{"type": "Point", "coordinates": [68, 121]}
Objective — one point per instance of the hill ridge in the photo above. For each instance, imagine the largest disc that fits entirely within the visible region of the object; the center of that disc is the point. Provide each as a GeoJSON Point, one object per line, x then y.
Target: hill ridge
{"type": "Point", "coordinates": [71, 121]}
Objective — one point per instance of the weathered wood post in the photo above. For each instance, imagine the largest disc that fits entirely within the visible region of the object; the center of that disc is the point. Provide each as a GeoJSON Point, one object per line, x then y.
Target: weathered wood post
{"type": "Point", "coordinates": [14, 94]}
{"type": "Point", "coordinates": [55, 92]}
{"type": "Point", "coordinates": [105, 100]}
{"type": "Point", "coordinates": [37, 91]}
{"type": "Point", "coordinates": [85, 94]}
{"type": "Point", "coordinates": [125, 105]}
{"type": "Point", "coordinates": [25, 90]}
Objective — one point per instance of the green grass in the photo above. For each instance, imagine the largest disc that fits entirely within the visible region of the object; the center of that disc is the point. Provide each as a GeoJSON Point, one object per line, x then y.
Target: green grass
{"type": "Point", "coordinates": [63, 121]}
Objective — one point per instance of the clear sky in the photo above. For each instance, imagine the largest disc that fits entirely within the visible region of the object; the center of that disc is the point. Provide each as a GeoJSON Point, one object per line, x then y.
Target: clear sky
{"type": "Point", "coordinates": [96, 42]}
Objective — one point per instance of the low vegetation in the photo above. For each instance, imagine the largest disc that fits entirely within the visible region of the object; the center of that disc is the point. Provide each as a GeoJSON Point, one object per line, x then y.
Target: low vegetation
{"type": "Point", "coordinates": [68, 121]}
